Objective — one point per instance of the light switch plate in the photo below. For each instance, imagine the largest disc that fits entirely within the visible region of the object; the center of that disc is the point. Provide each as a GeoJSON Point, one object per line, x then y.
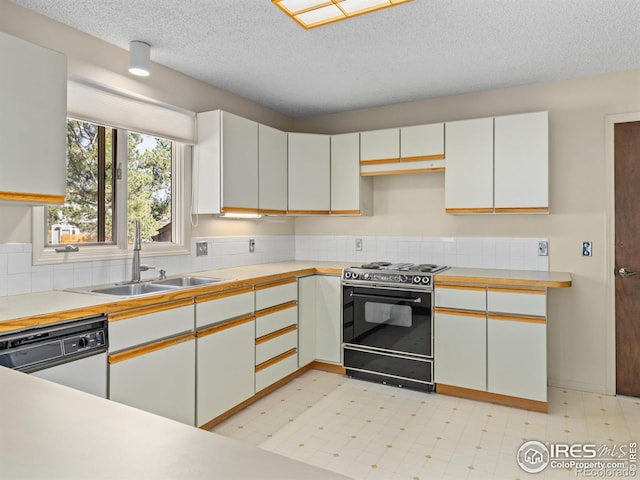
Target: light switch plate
{"type": "Point", "coordinates": [543, 249]}
{"type": "Point", "coordinates": [252, 245]}
{"type": "Point", "coordinates": [202, 249]}
{"type": "Point", "coordinates": [586, 249]}
{"type": "Point", "coordinates": [358, 244]}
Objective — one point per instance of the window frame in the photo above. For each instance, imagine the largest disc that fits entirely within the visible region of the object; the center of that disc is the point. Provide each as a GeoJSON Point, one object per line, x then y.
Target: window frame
{"type": "Point", "coordinates": [120, 249]}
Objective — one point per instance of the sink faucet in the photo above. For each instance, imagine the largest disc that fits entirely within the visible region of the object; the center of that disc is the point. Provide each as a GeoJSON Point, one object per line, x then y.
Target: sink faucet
{"type": "Point", "coordinates": [136, 268]}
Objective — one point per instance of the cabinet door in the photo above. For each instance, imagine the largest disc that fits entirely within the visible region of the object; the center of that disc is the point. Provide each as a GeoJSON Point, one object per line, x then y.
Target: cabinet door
{"type": "Point", "coordinates": [306, 320]}
{"type": "Point", "coordinates": [422, 148]}
{"type": "Point", "coordinates": [33, 98]}
{"type": "Point", "coordinates": [460, 349]}
{"type": "Point", "coordinates": [225, 366]}
{"type": "Point", "coordinates": [517, 357]}
{"type": "Point", "coordinates": [160, 379]}
{"type": "Point", "coordinates": [239, 164]}
{"type": "Point", "coordinates": [469, 172]}
{"type": "Point", "coordinates": [522, 162]}
{"type": "Point", "coordinates": [272, 170]}
{"type": "Point", "coordinates": [328, 319]}
{"type": "Point", "coordinates": [380, 145]}
{"type": "Point", "coordinates": [348, 194]}
{"type": "Point", "coordinates": [309, 173]}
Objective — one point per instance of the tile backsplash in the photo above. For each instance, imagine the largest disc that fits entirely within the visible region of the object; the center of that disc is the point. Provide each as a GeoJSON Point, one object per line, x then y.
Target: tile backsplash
{"type": "Point", "coordinates": [18, 275]}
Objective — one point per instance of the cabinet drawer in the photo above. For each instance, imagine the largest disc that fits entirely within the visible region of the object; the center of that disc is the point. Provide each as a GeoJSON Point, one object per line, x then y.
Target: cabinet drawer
{"type": "Point", "coordinates": [278, 370]}
{"type": "Point", "coordinates": [276, 345]}
{"type": "Point", "coordinates": [211, 309]}
{"type": "Point", "coordinates": [461, 297]}
{"type": "Point", "coordinates": [278, 319]}
{"type": "Point", "coordinates": [147, 324]}
{"type": "Point", "coordinates": [280, 292]}
{"type": "Point", "coordinates": [517, 301]}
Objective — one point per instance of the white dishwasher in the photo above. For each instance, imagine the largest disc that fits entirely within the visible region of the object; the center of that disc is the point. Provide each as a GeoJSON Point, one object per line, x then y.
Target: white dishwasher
{"type": "Point", "coordinates": [72, 353]}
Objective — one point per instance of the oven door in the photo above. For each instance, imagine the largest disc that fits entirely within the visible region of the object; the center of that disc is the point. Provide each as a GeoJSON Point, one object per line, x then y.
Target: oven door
{"type": "Point", "coordinates": [397, 321]}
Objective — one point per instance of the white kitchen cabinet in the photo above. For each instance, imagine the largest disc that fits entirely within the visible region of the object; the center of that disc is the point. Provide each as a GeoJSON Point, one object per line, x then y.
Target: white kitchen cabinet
{"type": "Point", "coordinates": [351, 194]}
{"type": "Point", "coordinates": [225, 171]}
{"type": "Point", "coordinates": [152, 359]}
{"type": "Point", "coordinates": [498, 164]}
{"type": "Point", "coordinates": [517, 357]}
{"type": "Point", "coordinates": [272, 171]}
{"type": "Point", "coordinates": [225, 367]}
{"type": "Point", "coordinates": [522, 163]}
{"type": "Point", "coordinates": [219, 307]}
{"type": "Point", "coordinates": [33, 98]}
{"type": "Point", "coordinates": [460, 349]}
{"type": "Point", "coordinates": [309, 174]}
{"type": "Point", "coordinates": [320, 319]}
{"type": "Point", "coordinates": [468, 184]}
{"type": "Point", "coordinates": [413, 149]}
{"type": "Point", "coordinates": [276, 332]}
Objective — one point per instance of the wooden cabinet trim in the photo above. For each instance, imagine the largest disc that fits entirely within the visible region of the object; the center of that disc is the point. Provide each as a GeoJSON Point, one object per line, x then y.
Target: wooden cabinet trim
{"type": "Point", "coordinates": [229, 209]}
{"type": "Point", "coordinates": [276, 283]}
{"type": "Point", "coordinates": [151, 347]}
{"type": "Point", "coordinates": [500, 399]}
{"type": "Point", "coordinates": [528, 291]}
{"type": "Point", "coordinates": [308, 212]}
{"type": "Point", "coordinates": [227, 293]}
{"type": "Point", "coordinates": [277, 359]}
{"type": "Point", "coordinates": [345, 212]}
{"type": "Point", "coordinates": [400, 172]}
{"type": "Point", "coordinates": [522, 209]}
{"type": "Point", "coordinates": [136, 312]}
{"type": "Point", "coordinates": [224, 326]}
{"type": "Point", "coordinates": [464, 313]}
{"type": "Point", "coordinates": [420, 158]}
{"type": "Point", "coordinates": [517, 318]}
{"type": "Point", "coordinates": [277, 333]}
{"type": "Point", "coordinates": [469, 210]}
{"type": "Point", "coordinates": [277, 308]}
{"type": "Point", "coordinates": [31, 197]}
{"type": "Point", "coordinates": [379, 161]}
{"type": "Point", "coordinates": [508, 282]}
{"type": "Point", "coordinates": [269, 211]}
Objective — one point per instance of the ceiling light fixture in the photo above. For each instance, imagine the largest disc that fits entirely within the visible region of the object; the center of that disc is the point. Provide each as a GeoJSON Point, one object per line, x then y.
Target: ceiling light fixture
{"type": "Point", "coordinates": [314, 13]}
{"type": "Point", "coordinates": [139, 58]}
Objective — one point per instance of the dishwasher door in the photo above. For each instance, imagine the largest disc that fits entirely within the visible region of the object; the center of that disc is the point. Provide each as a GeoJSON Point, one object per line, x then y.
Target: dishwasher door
{"type": "Point", "coordinates": [88, 374]}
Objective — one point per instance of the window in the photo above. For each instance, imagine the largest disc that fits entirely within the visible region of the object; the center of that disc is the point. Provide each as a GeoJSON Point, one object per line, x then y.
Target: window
{"type": "Point", "coordinates": [114, 177]}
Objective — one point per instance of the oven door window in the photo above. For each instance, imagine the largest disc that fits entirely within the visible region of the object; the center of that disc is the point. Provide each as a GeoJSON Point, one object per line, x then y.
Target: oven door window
{"type": "Point", "coordinates": [393, 320]}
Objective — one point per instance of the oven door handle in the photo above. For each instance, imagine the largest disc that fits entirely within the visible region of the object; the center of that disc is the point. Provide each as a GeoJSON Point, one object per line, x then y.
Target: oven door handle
{"type": "Point", "coordinates": [383, 297]}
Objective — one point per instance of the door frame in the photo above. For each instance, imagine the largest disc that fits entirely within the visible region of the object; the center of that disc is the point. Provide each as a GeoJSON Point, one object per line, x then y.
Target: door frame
{"type": "Point", "coordinates": [610, 258]}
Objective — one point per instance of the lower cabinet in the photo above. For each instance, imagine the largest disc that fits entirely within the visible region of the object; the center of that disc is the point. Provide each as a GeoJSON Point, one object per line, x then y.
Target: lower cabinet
{"type": "Point", "coordinates": [152, 354]}
{"type": "Point", "coordinates": [225, 359]}
{"type": "Point", "coordinates": [460, 349]}
{"type": "Point", "coordinates": [159, 378]}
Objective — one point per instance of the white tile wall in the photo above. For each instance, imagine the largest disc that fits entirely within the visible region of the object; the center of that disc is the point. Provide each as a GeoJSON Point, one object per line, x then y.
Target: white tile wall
{"type": "Point", "coordinates": [481, 252]}
{"type": "Point", "coordinates": [17, 275]}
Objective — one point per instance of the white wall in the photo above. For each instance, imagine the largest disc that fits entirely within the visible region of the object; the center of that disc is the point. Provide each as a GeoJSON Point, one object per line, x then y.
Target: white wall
{"type": "Point", "coordinates": [414, 205]}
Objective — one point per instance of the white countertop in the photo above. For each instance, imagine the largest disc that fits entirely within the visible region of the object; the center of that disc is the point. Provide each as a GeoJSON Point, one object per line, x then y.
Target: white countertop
{"type": "Point", "coordinates": [48, 431]}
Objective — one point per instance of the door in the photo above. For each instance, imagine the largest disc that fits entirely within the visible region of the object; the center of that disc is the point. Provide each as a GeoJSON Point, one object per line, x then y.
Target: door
{"type": "Point", "coordinates": [627, 256]}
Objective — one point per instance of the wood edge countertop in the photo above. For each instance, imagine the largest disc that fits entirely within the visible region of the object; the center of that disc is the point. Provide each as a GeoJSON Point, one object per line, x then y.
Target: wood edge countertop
{"type": "Point", "coordinates": [30, 310]}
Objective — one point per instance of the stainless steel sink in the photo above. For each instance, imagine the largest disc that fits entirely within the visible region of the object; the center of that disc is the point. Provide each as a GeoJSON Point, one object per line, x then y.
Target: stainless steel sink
{"type": "Point", "coordinates": [131, 289]}
{"type": "Point", "coordinates": [187, 281]}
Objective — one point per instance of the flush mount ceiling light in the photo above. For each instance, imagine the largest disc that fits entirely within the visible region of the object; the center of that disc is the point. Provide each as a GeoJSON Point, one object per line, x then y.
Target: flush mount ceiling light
{"type": "Point", "coordinates": [314, 13]}
{"type": "Point", "coordinates": [139, 58]}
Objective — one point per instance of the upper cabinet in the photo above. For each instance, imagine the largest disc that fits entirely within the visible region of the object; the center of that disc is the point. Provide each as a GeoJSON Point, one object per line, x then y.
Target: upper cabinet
{"type": "Point", "coordinates": [351, 194]}
{"type": "Point", "coordinates": [498, 164]}
{"type": "Point", "coordinates": [418, 148]}
{"type": "Point", "coordinates": [521, 163]}
{"type": "Point", "coordinates": [272, 171]}
{"type": "Point", "coordinates": [225, 171]}
{"type": "Point", "coordinates": [309, 174]}
{"type": "Point", "coordinates": [33, 98]}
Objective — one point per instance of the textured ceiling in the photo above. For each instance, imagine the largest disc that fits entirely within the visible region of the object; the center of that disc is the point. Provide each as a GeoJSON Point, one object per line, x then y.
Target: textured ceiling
{"type": "Point", "coordinates": [418, 50]}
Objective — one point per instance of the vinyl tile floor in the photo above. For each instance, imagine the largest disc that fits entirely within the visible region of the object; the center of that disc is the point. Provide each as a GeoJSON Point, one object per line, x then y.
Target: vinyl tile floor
{"type": "Point", "coordinates": [370, 431]}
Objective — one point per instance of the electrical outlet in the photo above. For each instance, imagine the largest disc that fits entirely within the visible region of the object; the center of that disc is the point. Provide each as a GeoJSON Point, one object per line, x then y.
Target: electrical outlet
{"type": "Point", "coordinates": [358, 244]}
{"type": "Point", "coordinates": [586, 249]}
{"type": "Point", "coordinates": [543, 249]}
{"type": "Point", "coordinates": [252, 245]}
{"type": "Point", "coordinates": [202, 249]}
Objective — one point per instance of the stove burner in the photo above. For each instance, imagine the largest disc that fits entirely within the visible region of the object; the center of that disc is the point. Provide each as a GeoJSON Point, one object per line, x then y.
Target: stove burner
{"type": "Point", "coordinates": [427, 267]}
{"type": "Point", "coordinates": [375, 265]}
